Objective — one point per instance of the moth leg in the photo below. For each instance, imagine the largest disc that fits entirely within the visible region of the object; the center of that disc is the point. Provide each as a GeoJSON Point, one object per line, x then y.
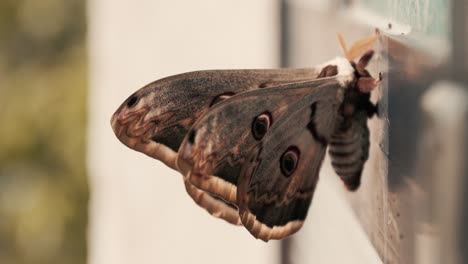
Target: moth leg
{"type": "Point", "coordinates": [215, 206]}
{"type": "Point", "coordinates": [367, 84]}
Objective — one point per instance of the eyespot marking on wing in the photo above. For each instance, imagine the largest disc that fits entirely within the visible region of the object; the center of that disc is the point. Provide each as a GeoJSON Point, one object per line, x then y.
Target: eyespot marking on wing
{"type": "Point", "coordinates": [260, 125]}
{"type": "Point", "coordinates": [289, 161]}
{"type": "Point", "coordinates": [132, 100]}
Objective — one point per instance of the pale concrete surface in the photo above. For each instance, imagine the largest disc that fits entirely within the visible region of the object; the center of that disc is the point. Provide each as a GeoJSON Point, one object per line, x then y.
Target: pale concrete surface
{"type": "Point", "coordinates": [139, 211]}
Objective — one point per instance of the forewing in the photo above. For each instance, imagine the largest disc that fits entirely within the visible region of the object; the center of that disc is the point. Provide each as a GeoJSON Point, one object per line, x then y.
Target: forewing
{"type": "Point", "coordinates": [277, 182]}
{"type": "Point", "coordinates": [155, 119]}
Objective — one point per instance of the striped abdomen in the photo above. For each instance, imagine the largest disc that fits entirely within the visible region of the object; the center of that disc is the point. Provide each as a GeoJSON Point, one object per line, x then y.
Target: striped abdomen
{"type": "Point", "coordinates": [349, 150]}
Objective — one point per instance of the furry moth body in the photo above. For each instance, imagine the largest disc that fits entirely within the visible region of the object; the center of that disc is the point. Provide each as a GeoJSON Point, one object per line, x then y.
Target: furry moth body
{"type": "Point", "coordinates": [250, 143]}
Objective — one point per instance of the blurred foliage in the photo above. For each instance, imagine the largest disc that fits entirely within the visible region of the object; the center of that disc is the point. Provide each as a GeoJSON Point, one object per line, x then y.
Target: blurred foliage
{"type": "Point", "coordinates": [43, 188]}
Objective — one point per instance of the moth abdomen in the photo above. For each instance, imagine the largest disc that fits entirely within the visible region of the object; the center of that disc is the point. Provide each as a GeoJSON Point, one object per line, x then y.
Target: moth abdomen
{"type": "Point", "coordinates": [349, 150]}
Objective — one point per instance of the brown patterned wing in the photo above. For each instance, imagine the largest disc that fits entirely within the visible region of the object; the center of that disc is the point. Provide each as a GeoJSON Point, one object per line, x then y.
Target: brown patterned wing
{"type": "Point", "coordinates": [156, 118]}
{"type": "Point", "coordinates": [278, 180]}
{"type": "Point", "coordinates": [213, 205]}
{"type": "Point", "coordinates": [218, 144]}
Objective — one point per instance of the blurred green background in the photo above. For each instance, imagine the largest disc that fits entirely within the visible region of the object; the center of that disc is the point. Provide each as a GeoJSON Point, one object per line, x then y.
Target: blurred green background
{"type": "Point", "coordinates": [43, 84]}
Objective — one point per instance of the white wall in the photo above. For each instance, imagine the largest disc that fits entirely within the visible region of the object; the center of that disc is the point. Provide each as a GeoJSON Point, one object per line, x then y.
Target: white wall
{"type": "Point", "coordinates": [139, 211]}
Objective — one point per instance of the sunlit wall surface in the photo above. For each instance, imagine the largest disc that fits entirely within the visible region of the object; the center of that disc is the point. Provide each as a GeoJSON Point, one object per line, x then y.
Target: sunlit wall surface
{"type": "Point", "coordinates": [43, 189]}
{"type": "Point", "coordinates": [139, 209]}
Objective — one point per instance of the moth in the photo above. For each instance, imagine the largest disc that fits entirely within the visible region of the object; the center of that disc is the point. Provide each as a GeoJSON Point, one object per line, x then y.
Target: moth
{"type": "Point", "coordinates": [250, 143]}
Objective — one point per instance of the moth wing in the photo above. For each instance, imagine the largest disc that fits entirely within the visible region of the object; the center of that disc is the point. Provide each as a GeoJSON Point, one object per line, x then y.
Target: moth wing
{"type": "Point", "coordinates": [156, 118]}
{"type": "Point", "coordinates": [213, 205]}
{"type": "Point", "coordinates": [277, 182]}
{"type": "Point", "coordinates": [218, 144]}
